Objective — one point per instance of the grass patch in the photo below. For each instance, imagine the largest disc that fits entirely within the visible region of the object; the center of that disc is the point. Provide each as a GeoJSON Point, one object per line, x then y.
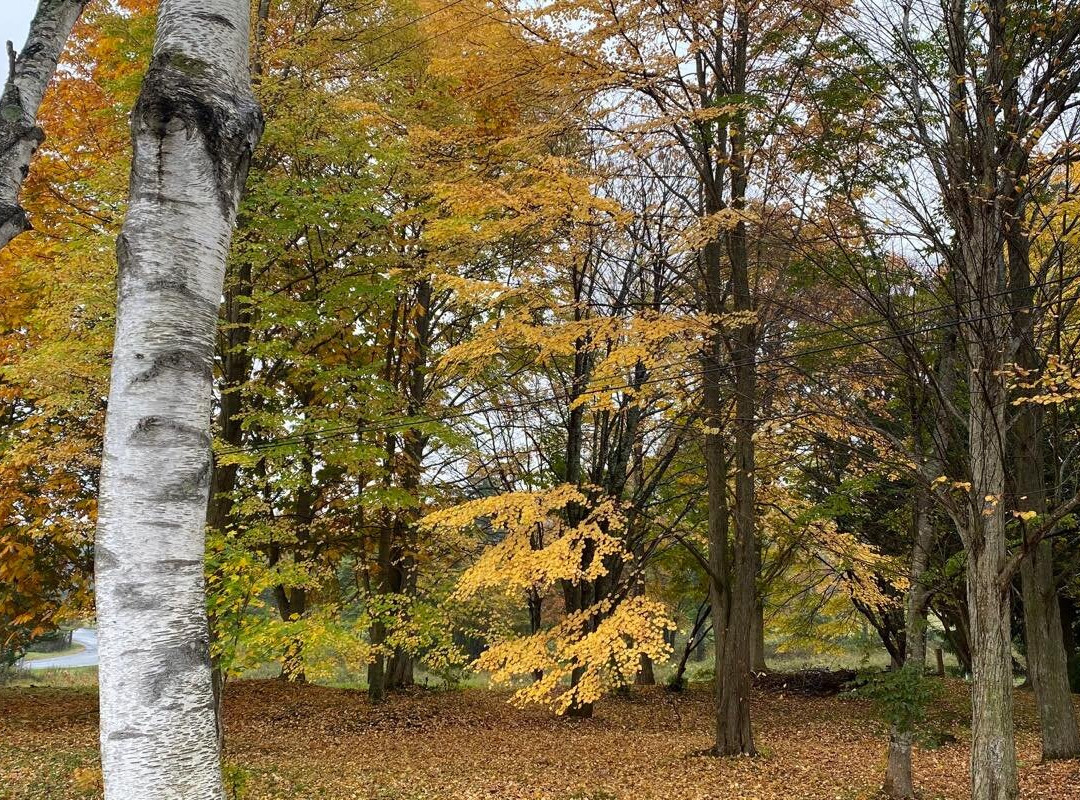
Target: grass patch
{"type": "Point", "coordinates": [73, 650]}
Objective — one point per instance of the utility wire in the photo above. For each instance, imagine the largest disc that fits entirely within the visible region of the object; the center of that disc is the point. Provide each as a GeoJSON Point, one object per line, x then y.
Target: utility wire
{"type": "Point", "coordinates": [400, 422]}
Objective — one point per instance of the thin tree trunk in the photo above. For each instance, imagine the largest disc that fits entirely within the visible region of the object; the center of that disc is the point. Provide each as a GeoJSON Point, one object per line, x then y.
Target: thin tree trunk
{"type": "Point", "coordinates": [236, 365]}
{"type": "Point", "coordinates": [898, 778]}
{"type": "Point", "coordinates": [757, 639]}
{"type": "Point", "coordinates": [385, 584]}
{"type": "Point", "coordinates": [578, 594]}
{"type": "Point", "coordinates": [693, 644]}
{"type": "Point", "coordinates": [28, 76]}
{"type": "Point", "coordinates": [193, 129]}
{"type": "Point", "coordinates": [401, 664]}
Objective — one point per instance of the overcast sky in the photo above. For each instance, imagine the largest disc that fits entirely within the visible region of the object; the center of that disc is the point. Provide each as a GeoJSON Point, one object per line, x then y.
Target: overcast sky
{"type": "Point", "coordinates": [14, 23]}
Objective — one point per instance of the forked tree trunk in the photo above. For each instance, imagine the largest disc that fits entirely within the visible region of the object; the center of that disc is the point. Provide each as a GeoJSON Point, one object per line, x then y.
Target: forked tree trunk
{"type": "Point", "coordinates": [193, 130]}
{"type": "Point", "coordinates": [28, 77]}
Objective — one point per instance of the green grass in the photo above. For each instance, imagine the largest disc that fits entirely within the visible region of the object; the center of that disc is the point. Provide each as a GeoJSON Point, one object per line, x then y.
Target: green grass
{"type": "Point", "coordinates": [74, 678]}
{"type": "Point", "coordinates": [32, 656]}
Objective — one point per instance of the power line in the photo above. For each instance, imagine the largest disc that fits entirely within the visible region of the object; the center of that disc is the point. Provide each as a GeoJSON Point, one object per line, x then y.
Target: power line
{"type": "Point", "coordinates": [400, 422]}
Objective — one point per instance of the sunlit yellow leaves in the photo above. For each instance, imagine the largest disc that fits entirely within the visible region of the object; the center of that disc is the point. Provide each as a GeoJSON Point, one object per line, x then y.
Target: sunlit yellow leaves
{"type": "Point", "coordinates": [604, 654]}
{"type": "Point", "coordinates": [514, 562]}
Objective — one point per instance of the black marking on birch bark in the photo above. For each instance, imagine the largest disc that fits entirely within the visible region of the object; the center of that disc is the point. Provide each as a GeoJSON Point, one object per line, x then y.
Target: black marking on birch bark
{"type": "Point", "coordinates": [172, 564]}
{"type": "Point", "coordinates": [159, 198]}
{"type": "Point", "coordinates": [136, 597]}
{"type": "Point", "coordinates": [124, 264]}
{"type": "Point", "coordinates": [13, 131]}
{"type": "Point", "coordinates": [159, 431]}
{"type": "Point", "coordinates": [15, 216]}
{"type": "Point", "coordinates": [217, 19]}
{"type": "Point", "coordinates": [190, 487]}
{"type": "Point", "coordinates": [104, 559]}
{"type": "Point", "coordinates": [183, 88]}
{"type": "Point", "coordinates": [126, 733]}
{"type": "Point", "coordinates": [194, 304]}
{"type": "Point", "coordinates": [178, 661]}
{"type": "Point", "coordinates": [185, 361]}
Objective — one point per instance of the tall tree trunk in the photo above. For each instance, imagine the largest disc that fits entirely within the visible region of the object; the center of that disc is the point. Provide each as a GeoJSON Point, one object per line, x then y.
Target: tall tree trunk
{"type": "Point", "coordinates": [401, 665]}
{"type": "Point", "coordinates": [388, 581]}
{"type": "Point", "coordinates": [193, 129]}
{"type": "Point", "coordinates": [235, 368]}
{"type": "Point", "coordinates": [993, 750]}
{"type": "Point", "coordinates": [1046, 657]}
{"type": "Point", "coordinates": [1048, 667]}
{"type": "Point", "coordinates": [734, 634]}
{"type": "Point", "coordinates": [382, 578]}
{"type": "Point", "coordinates": [28, 76]}
{"type": "Point", "coordinates": [239, 314]}
{"type": "Point", "coordinates": [577, 594]}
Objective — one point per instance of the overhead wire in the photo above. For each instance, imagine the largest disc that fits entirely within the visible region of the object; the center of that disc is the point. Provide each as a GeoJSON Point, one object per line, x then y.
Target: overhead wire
{"type": "Point", "coordinates": [405, 422]}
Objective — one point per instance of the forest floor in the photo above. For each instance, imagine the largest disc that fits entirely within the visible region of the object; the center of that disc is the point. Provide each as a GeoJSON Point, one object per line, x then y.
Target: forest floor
{"type": "Point", "coordinates": [290, 742]}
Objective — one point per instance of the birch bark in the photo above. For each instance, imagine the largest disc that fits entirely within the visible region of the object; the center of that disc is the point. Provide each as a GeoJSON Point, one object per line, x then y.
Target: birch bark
{"type": "Point", "coordinates": [29, 74]}
{"type": "Point", "coordinates": [193, 130]}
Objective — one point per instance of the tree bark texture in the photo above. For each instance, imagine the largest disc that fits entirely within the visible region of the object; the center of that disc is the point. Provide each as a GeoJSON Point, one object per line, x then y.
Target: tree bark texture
{"type": "Point", "coordinates": [993, 751]}
{"type": "Point", "coordinates": [194, 127]}
{"type": "Point", "coordinates": [734, 601]}
{"type": "Point", "coordinates": [1047, 661]}
{"type": "Point", "coordinates": [28, 77]}
{"type": "Point", "coordinates": [898, 777]}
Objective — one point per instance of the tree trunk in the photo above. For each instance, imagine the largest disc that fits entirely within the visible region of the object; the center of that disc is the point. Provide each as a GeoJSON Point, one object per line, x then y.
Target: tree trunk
{"type": "Point", "coordinates": [734, 633]}
{"type": "Point", "coordinates": [388, 579]}
{"type": "Point", "coordinates": [1048, 667]}
{"type": "Point", "coordinates": [693, 644]}
{"type": "Point", "coordinates": [1067, 608]}
{"type": "Point", "coordinates": [1046, 657]}
{"type": "Point", "coordinates": [28, 77]}
{"type": "Point", "coordinates": [239, 315]}
{"type": "Point", "coordinates": [757, 640]}
{"type": "Point", "coordinates": [193, 129]}
{"type": "Point", "coordinates": [536, 611]}
{"type": "Point", "coordinates": [993, 750]}
{"type": "Point", "coordinates": [898, 779]}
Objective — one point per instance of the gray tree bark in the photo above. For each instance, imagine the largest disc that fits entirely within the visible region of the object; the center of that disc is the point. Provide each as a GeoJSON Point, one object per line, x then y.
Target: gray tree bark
{"type": "Point", "coordinates": [993, 744]}
{"type": "Point", "coordinates": [28, 77]}
{"type": "Point", "coordinates": [929, 434]}
{"type": "Point", "coordinates": [1046, 658]}
{"type": "Point", "coordinates": [898, 777]}
{"type": "Point", "coordinates": [193, 131]}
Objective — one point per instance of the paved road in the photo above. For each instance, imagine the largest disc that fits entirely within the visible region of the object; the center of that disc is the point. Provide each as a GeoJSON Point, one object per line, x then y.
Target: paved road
{"type": "Point", "coordinates": [88, 657]}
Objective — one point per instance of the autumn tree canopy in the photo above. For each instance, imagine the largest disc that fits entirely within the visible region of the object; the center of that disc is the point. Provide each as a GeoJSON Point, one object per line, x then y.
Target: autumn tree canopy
{"type": "Point", "coordinates": [561, 346]}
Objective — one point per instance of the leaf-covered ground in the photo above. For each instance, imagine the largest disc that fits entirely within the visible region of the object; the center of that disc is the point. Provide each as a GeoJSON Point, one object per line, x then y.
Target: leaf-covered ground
{"type": "Point", "coordinates": [313, 743]}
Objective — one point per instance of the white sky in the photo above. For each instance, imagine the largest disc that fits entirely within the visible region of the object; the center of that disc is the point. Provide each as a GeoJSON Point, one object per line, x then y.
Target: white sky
{"type": "Point", "coordinates": [14, 23]}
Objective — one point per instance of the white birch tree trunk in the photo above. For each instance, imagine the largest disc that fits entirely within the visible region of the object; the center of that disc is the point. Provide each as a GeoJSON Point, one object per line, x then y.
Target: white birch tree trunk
{"type": "Point", "coordinates": [28, 77]}
{"type": "Point", "coordinates": [193, 130]}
